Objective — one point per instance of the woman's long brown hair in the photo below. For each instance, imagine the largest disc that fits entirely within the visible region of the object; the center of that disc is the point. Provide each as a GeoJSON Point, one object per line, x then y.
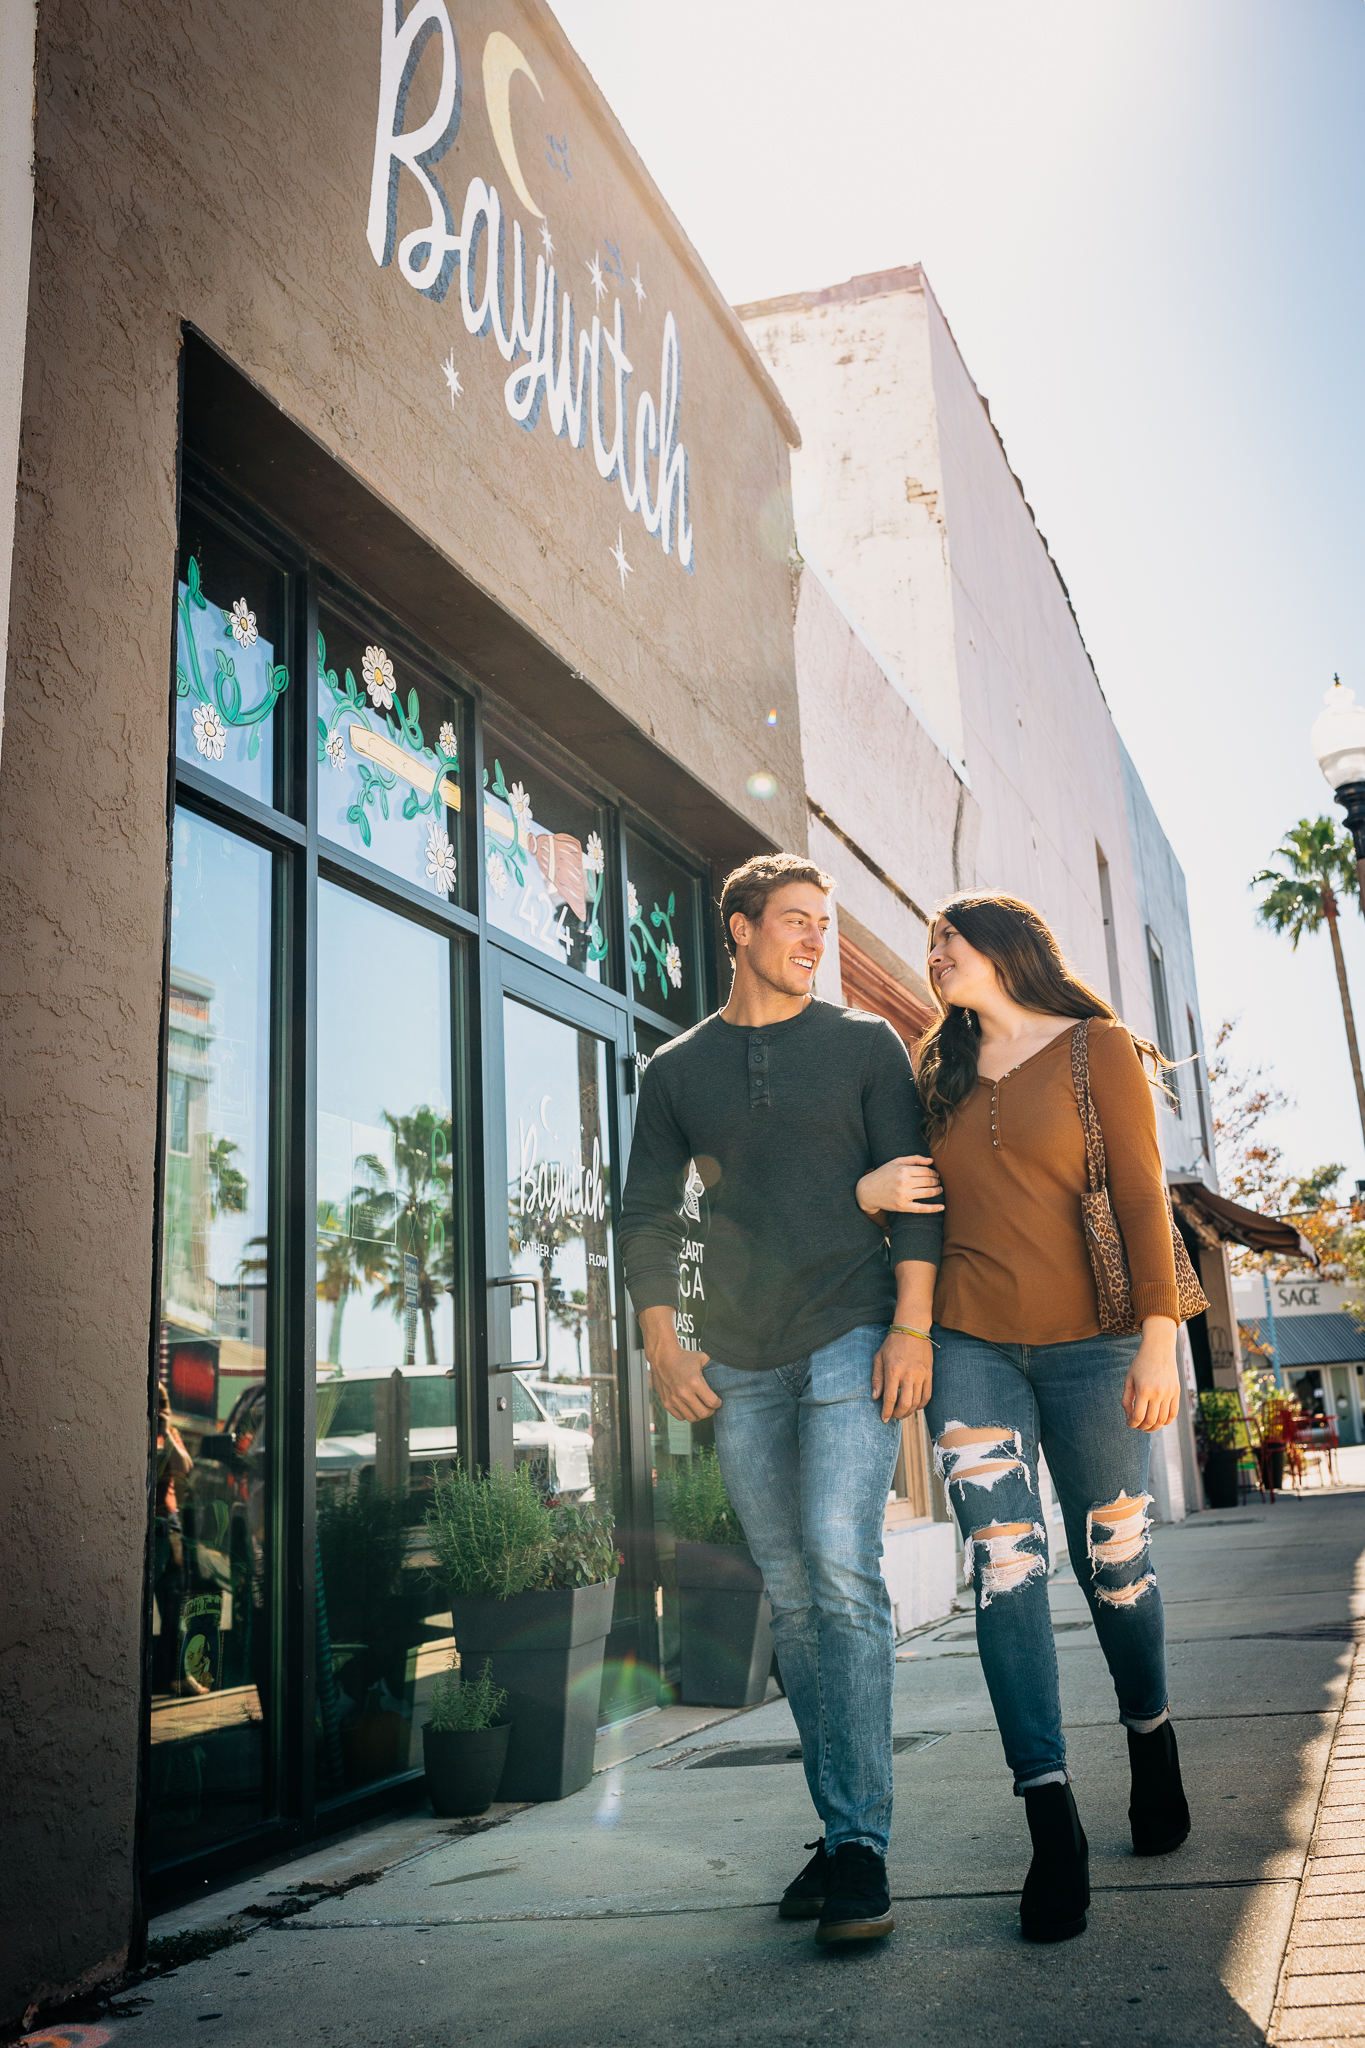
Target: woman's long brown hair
{"type": "Point", "coordinates": [1023, 950]}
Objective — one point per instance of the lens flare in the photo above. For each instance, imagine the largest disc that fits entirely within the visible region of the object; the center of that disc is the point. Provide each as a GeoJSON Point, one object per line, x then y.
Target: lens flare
{"type": "Point", "coordinates": [762, 785]}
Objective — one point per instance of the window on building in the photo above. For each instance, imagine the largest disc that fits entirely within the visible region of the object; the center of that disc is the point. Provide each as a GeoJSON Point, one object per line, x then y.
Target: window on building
{"type": "Point", "coordinates": [1200, 1091]}
{"type": "Point", "coordinates": [1111, 944]}
{"type": "Point", "coordinates": [1161, 1005]}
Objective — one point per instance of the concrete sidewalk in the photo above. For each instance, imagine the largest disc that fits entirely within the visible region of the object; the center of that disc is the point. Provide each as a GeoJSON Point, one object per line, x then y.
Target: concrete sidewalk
{"type": "Point", "coordinates": [641, 1910]}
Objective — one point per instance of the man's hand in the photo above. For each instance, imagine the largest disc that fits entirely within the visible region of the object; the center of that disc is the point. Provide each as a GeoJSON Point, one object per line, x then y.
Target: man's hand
{"type": "Point", "coordinates": [910, 1185]}
{"type": "Point", "coordinates": [676, 1373]}
{"type": "Point", "coordinates": [1151, 1392]}
{"type": "Point", "coordinates": [903, 1376]}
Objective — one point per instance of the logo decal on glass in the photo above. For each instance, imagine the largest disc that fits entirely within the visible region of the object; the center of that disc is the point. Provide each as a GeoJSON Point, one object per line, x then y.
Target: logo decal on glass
{"type": "Point", "coordinates": [665, 953]}
{"type": "Point", "coordinates": [559, 877]}
{"type": "Point", "coordinates": [383, 740]}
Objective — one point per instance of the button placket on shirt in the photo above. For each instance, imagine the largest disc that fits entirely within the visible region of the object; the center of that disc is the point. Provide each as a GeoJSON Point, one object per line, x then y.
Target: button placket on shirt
{"type": "Point", "coordinates": [759, 1096]}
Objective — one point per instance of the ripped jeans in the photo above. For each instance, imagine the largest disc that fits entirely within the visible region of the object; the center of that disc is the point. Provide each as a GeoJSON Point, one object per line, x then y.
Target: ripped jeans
{"type": "Point", "coordinates": [991, 1408]}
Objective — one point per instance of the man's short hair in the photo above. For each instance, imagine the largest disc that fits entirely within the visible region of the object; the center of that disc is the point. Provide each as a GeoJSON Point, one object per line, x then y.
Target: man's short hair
{"type": "Point", "coordinates": [747, 889]}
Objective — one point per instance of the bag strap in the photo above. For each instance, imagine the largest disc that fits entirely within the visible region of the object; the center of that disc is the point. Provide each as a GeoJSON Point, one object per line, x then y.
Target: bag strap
{"type": "Point", "coordinates": [1090, 1123]}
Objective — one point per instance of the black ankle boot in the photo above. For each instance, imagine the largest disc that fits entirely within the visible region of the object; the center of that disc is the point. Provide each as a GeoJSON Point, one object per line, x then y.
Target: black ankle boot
{"type": "Point", "coordinates": [1157, 1814]}
{"type": "Point", "coordinates": [1057, 1888]}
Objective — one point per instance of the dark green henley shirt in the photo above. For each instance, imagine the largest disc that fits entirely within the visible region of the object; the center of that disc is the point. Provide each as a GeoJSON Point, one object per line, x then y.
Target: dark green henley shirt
{"type": "Point", "coordinates": [782, 1122]}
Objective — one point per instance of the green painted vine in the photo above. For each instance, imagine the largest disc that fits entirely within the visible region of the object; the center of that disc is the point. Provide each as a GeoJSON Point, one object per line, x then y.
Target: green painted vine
{"type": "Point", "coordinates": [220, 704]}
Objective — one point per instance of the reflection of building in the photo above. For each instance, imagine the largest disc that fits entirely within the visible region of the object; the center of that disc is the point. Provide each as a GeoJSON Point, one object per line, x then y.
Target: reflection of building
{"type": "Point", "coordinates": [1299, 1327]}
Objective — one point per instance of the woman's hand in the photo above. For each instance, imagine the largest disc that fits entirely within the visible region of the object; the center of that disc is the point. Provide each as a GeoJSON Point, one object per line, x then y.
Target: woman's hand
{"type": "Point", "coordinates": [911, 1185]}
{"type": "Point", "coordinates": [1151, 1392]}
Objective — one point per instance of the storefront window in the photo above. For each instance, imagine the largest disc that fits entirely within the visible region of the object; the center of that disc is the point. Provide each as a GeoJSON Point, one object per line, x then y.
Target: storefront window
{"type": "Point", "coordinates": [565, 1416]}
{"type": "Point", "coordinates": [661, 908]}
{"type": "Point", "coordinates": [211, 1692]}
{"type": "Point", "coordinates": [386, 1404]}
{"type": "Point", "coordinates": [230, 673]}
{"type": "Point", "coordinates": [388, 748]}
{"type": "Point", "coordinates": [545, 862]}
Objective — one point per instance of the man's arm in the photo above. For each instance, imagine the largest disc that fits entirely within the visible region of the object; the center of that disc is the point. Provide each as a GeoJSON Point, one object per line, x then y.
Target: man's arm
{"type": "Point", "coordinates": [650, 1239]}
{"type": "Point", "coordinates": [903, 1370]}
{"type": "Point", "coordinates": [895, 1130]}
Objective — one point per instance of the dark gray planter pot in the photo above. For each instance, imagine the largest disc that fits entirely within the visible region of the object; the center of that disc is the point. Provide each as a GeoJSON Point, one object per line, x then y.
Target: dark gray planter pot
{"type": "Point", "coordinates": [726, 1626]}
{"type": "Point", "coordinates": [546, 1650]}
{"type": "Point", "coordinates": [464, 1767]}
{"type": "Point", "coordinates": [1220, 1477]}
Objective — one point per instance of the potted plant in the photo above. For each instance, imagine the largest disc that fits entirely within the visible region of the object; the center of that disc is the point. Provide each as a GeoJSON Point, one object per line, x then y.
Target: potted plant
{"type": "Point", "coordinates": [725, 1623]}
{"type": "Point", "coordinates": [1220, 1414]}
{"type": "Point", "coordinates": [464, 1744]}
{"type": "Point", "coordinates": [532, 1581]}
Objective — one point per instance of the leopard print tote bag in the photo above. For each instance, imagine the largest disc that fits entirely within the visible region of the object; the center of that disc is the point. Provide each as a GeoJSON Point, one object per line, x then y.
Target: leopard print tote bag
{"type": "Point", "coordinates": [1103, 1240]}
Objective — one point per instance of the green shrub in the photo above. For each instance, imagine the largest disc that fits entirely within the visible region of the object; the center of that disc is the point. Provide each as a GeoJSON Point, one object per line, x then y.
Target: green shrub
{"type": "Point", "coordinates": [700, 1509]}
{"type": "Point", "coordinates": [491, 1531]}
{"type": "Point", "coordinates": [457, 1708]}
{"type": "Point", "coordinates": [1220, 1412]}
{"type": "Point", "coordinates": [582, 1548]}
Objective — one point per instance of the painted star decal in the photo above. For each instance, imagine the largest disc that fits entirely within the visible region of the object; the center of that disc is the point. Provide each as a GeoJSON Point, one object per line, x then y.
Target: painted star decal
{"type": "Point", "coordinates": [452, 377]}
{"type": "Point", "coordinates": [599, 283]}
{"type": "Point", "coordinates": [545, 238]}
{"type": "Point", "coordinates": [640, 293]}
{"type": "Point", "coordinates": [618, 555]}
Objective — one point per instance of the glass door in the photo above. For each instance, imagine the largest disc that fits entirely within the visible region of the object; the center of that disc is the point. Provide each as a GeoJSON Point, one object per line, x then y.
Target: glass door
{"type": "Point", "coordinates": [388, 1330]}
{"type": "Point", "coordinates": [559, 1394]}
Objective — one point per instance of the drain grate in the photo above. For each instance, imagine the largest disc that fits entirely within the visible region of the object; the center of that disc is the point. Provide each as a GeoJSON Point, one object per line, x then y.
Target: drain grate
{"type": "Point", "coordinates": [747, 1755]}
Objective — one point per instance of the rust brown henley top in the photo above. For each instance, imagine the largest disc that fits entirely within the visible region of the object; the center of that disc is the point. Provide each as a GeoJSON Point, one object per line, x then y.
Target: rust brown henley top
{"type": "Point", "coordinates": [1015, 1268]}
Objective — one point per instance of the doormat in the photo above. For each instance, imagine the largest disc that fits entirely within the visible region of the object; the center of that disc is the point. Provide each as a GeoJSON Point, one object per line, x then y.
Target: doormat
{"type": "Point", "coordinates": [745, 1755]}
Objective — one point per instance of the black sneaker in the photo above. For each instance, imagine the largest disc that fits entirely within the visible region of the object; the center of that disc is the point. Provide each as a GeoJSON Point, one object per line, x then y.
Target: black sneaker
{"type": "Point", "coordinates": [805, 1895]}
{"type": "Point", "coordinates": [857, 1903]}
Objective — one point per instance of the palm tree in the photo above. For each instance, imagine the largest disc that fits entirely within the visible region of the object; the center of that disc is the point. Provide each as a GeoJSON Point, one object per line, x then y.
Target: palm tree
{"type": "Point", "coordinates": [1318, 862]}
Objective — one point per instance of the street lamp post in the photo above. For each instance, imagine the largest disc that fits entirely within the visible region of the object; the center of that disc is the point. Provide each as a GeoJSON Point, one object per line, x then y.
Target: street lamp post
{"type": "Point", "coordinates": [1338, 740]}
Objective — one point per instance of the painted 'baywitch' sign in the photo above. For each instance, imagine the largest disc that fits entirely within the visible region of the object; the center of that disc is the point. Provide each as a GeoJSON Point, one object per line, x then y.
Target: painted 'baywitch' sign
{"type": "Point", "coordinates": [577, 374]}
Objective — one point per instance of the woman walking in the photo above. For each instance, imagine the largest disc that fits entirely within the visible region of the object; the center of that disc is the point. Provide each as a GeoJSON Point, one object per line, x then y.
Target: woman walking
{"type": "Point", "coordinates": [1021, 1052]}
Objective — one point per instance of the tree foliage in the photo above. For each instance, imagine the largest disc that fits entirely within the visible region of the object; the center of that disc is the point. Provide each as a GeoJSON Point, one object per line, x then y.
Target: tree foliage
{"type": "Point", "coordinates": [1316, 864]}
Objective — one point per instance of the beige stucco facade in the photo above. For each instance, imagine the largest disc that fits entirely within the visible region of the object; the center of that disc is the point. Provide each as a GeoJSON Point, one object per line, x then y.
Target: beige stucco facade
{"type": "Point", "coordinates": [215, 174]}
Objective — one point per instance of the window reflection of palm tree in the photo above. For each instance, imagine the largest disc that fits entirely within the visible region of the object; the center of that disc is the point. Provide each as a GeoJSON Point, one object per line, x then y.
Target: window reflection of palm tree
{"type": "Point", "coordinates": [418, 1202]}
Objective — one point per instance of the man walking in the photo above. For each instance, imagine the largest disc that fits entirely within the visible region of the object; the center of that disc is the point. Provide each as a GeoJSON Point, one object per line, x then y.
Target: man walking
{"type": "Point", "coordinates": [817, 1340]}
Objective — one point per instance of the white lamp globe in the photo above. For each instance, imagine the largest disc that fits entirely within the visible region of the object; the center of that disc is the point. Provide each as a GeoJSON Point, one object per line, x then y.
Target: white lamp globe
{"type": "Point", "coordinates": [1338, 737]}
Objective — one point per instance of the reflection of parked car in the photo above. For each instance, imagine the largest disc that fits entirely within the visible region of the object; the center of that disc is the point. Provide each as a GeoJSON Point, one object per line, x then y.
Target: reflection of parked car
{"type": "Point", "coordinates": [559, 1445]}
{"type": "Point", "coordinates": [222, 1510]}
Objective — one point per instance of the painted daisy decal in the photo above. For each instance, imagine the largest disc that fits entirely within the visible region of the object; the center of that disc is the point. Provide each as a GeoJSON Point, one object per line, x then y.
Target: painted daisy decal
{"type": "Point", "coordinates": [210, 733]}
{"type": "Point", "coordinates": [673, 965]}
{"type": "Point", "coordinates": [594, 859]}
{"type": "Point", "coordinates": [445, 740]}
{"type": "Point", "coordinates": [497, 876]}
{"type": "Point", "coordinates": [378, 673]}
{"type": "Point", "coordinates": [520, 805]}
{"type": "Point", "coordinates": [440, 860]}
{"type": "Point", "coordinates": [336, 750]}
{"type": "Point", "coordinates": [632, 902]}
{"type": "Point", "coordinates": [243, 624]}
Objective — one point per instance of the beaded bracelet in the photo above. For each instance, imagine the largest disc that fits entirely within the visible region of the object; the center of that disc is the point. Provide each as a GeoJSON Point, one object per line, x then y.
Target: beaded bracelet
{"type": "Point", "coordinates": [904, 1330]}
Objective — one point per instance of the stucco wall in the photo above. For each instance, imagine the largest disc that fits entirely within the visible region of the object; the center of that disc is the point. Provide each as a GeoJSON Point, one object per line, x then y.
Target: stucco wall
{"type": "Point", "coordinates": [1041, 745]}
{"type": "Point", "coordinates": [867, 480]}
{"type": "Point", "coordinates": [18, 42]}
{"type": "Point", "coordinates": [905, 496]}
{"type": "Point", "coordinates": [880, 780]}
{"type": "Point", "coordinates": [213, 166]}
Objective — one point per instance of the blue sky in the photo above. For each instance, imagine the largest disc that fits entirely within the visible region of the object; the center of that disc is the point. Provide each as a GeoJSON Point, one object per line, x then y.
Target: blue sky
{"type": "Point", "coordinates": [1143, 223]}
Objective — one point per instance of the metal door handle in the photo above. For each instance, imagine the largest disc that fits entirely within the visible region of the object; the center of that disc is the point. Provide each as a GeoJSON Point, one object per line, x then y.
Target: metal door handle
{"type": "Point", "coordinates": [541, 1359]}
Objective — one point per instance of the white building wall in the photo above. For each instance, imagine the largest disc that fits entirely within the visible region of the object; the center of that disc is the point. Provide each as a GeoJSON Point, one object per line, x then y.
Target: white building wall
{"type": "Point", "coordinates": [905, 498]}
{"type": "Point", "coordinates": [18, 42]}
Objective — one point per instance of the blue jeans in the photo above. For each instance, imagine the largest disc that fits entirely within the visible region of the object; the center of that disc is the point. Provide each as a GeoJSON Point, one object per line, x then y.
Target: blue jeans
{"type": "Point", "coordinates": [992, 1406]}
{"type": "Point", "coordinates": [808, 1463]}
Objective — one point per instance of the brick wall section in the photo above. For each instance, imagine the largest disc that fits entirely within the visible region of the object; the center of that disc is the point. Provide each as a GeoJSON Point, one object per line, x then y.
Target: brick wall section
{"type": "Point", "coordinates": [1322, 1990]}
